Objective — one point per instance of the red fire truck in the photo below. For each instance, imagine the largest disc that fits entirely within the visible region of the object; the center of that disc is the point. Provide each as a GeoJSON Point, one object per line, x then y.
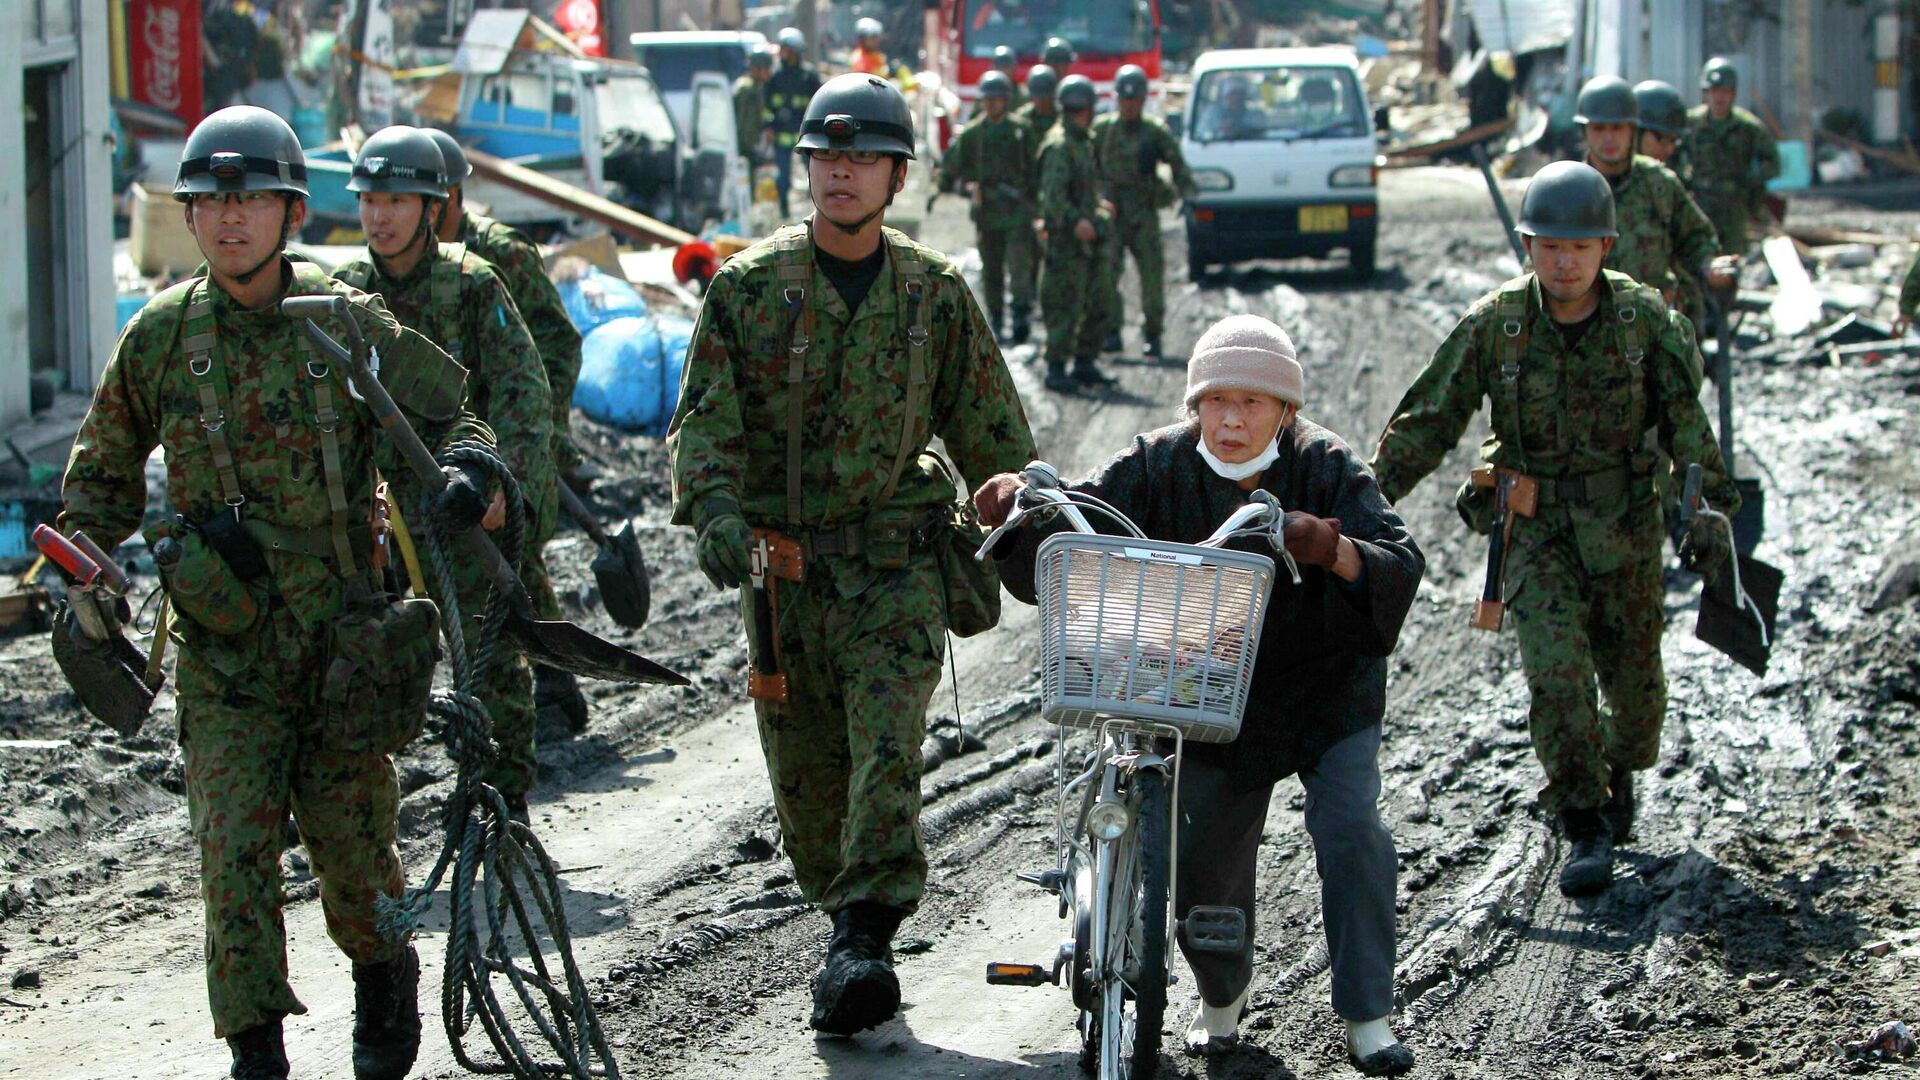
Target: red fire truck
{"type": "Point", "coordinates": [1105, 34]}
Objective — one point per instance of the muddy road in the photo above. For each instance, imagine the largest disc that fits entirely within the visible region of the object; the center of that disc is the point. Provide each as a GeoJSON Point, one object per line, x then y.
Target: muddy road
{"type": "Point", "coordinates": [1764, 913]}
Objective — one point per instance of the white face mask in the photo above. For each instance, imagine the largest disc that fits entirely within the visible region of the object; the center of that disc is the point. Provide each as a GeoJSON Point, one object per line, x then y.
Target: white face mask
{"type": "Point", "coordinates": [1237, 471]}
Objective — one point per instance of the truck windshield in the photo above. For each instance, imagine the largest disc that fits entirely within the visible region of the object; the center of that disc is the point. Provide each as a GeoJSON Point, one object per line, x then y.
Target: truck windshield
{"type": "Point", "coordinates": [632, 101]}
{"type": "Point", "coordinates": [674, 66]}
{"type": "Point", "coordinates": [1102, 27]}
{"type": "Point", "coordinates": [1277, 104]}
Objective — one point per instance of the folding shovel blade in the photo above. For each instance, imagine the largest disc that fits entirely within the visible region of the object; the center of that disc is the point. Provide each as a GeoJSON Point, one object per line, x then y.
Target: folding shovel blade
{"type": "Point", "coordinates": [570, 648]}
{"type": "Point", "coordinates": [621, 572]}
{"type": "Point", "coordinates": [1731, 628]}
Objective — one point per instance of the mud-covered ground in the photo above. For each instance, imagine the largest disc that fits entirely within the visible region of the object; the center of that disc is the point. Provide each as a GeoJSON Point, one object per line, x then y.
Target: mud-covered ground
{"type": "Point", "coordinates": [1764, 913]}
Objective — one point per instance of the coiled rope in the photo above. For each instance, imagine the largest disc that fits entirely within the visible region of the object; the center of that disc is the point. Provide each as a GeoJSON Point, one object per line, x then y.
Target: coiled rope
{"type": "Point", "coordinates": [502, 877]}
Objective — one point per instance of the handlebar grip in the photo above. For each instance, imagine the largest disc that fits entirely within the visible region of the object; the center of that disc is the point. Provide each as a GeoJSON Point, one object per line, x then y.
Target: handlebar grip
{"type": "Point", "coordinates": [313, 307]}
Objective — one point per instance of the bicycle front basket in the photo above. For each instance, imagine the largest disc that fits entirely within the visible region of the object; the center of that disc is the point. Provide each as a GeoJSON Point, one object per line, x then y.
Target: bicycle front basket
{"type": "Point", "coordinates": [1149, 630]}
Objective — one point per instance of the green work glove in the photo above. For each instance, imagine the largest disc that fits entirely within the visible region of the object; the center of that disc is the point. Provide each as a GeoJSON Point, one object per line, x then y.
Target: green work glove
{"type": "Point", "coordinates": [1706, 546]}
{"type": "Point", "coordinates": [722, 548]}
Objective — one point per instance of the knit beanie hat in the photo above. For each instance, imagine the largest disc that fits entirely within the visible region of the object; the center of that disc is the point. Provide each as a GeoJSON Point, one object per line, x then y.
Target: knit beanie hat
{"type": "Point", "coordinates": [1245, 352]}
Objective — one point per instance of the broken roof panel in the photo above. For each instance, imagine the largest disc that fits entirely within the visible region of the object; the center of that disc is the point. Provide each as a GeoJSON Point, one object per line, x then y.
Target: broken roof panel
{"type": "Point", "coordinates": [1521, 26]}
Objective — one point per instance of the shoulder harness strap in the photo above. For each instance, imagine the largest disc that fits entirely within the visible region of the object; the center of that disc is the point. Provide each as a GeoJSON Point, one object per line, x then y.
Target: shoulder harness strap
{"type": "Point", "coordinates": [912, 273]}
{"type": "Point", "coordinates": [200, 337]}
{"type": "Point", "coordinates": [1512, 328]}
{"type": "Point", "coordinates": [793, 270]}
{"type": "Point", "coordinates": [443, 292]}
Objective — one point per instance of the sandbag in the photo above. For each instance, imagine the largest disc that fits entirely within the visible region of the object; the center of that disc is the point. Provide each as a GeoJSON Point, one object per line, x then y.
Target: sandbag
{"type": "Point", "coordinates": [596, 298]}
{"type": "Point", "coordinates": [630, 372]}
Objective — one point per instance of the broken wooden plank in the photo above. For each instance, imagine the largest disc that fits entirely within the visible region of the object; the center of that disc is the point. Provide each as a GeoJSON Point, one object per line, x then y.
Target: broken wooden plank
{"type": "Point", "coordinates": [1797, 306]}
{"type": "Point", "coordinates": [1904, 162]}
{"type": "Point", "coordinates": [627, 222]}
{"type": "Point", "coordinates": [1816, 236]}
{"type": "Point", "coordinates": [1409, 155]}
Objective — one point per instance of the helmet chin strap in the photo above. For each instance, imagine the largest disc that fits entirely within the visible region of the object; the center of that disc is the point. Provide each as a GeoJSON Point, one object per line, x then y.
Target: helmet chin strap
{"type": "Point", "coordinates": [286, 225]}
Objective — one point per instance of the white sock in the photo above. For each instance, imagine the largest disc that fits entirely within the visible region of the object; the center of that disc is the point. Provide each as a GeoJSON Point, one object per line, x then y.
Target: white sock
{"type": "Point", "coordinates": [1368, 1037]}
{"type": "Point", "coordinates": [1210, 1022]}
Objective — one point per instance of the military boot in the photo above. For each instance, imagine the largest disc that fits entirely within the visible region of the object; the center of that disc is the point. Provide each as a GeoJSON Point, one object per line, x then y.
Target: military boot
{"type": "Point", "coordinates": [1113, 342]}
{"type": "Point", "coordinates": [386, 1017]}
{"type": "Point", "coordinates": [1060, 382]}
{"type": "Point", "coordinates": [1021, 328]}
{"type": "Point", "coordinates": [1620, 802]}
{"type": "Point", "coordinates": [1088, 373]}
{"type": "Point", "coordinates": [259, 1053]}
{"type": "Point", "coordinates": [857, 989]}
{"type": "Point", "coordinates": [559, 691]}
{"type": "Point", "coordinates": [1589, 867]}
{"type": "Point", "coordinates": [1150, 345]}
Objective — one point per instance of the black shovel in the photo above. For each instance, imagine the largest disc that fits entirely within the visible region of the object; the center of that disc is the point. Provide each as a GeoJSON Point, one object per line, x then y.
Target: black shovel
{"type": "Point", "coordinates": [1739, 603]}
{"type": "Point", "coordinates": [619, 568]}
{"type": "Point", "coordinates": [556, 644]}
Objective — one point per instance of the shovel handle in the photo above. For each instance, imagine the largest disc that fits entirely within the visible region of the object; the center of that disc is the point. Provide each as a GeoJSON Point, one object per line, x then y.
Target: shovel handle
{"type": "Point", "coordinates": [581, 514]}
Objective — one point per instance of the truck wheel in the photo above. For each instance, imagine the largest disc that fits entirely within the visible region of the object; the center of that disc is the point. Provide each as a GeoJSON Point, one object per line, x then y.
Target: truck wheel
{"type": "Point", "coordinates": [1363, 259]}
{"type": "Point", "coordinates": [1197, 268]}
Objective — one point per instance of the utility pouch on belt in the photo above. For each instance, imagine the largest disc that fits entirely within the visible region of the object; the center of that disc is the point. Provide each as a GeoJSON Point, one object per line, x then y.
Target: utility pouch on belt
{"type": "Point", "coordinates": [970, 586]}
{"type": "Point", "coordinates": [203, 587]}
{"type": "Point", "coordinates": [773, 558]}
{"type": "Point", "coordinates": [380, 660]}
{"type": "Point", "coordinates": [888, 538]}
{"type": "Point", "coordinates": [225, 535]}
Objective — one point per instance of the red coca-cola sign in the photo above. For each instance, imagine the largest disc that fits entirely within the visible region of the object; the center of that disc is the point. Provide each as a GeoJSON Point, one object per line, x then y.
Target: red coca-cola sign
{"type": "Point", "coordinates": [163, 56]}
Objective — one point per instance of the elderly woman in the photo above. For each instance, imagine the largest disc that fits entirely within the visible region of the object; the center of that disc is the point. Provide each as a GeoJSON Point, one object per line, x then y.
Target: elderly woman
{"type": "Point", "coordinates": [1319, 683]}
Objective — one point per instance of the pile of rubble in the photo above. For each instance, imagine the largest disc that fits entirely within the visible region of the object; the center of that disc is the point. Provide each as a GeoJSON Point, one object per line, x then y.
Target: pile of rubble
{"type": "Point", "coordinates": [1824, 295]}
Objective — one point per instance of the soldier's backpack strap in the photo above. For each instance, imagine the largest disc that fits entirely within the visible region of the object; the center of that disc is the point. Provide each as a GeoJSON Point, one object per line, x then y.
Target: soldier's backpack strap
{"type": "Point", "coordinates": [201, 335]}
{"type": "Point", "coordinates": [1632, 315]}
{"type": "Point", "coordinates": [912, 273]}
{"type": "Point", "coordinates": [793, 270]}
{"type": "Point", "coordinates": [1511, 330]}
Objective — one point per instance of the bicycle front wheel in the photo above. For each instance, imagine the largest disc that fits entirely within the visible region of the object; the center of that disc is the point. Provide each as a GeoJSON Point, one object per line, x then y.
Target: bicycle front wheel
{"type": "Point", "coordinates": [1133, 984]}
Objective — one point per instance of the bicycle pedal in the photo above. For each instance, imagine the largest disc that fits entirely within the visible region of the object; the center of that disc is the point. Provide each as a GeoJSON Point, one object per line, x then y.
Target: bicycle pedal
{"type": "Point", "coordinates": [1050, 880]}
{"type": "Point", "coordinates": [1215, 929]}
{"type": "Point", "coordinates": [1001, 973]}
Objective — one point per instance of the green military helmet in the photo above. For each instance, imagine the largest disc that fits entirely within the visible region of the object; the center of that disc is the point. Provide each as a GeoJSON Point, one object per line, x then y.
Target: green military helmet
{"type": "Point", "coordinates": [995, 84]}
{"type": "Point", "coordinates": [1076, 92]}
{"type": "Point", "coordinates": [1004, 58]}
{"type": "Point", "coordinates": [1568, 200]}
{"type": "Point", "coordinates": [241, 148]}
{"type": "Point", "coordinates": [400, 160]}
{"type": "Point", "coordinates": [1606, 99]}
{"type": "Point", "coordinates": [1719, 71]}
{"type": "Point", "coordinates": [856, 111]}
{"type": "Point", "coordinates": [1042, 81]}
{"type": "Point", "coordinates": [1058, 51]}
{"type": "Point", "coordinates": [1130, 82]}
{"type": "Point", "coordinates": [452, 154]}
{"type": "Point", "coordinates": [1661, 107]}
{"type": "Point", "coordinates": [763, 56]}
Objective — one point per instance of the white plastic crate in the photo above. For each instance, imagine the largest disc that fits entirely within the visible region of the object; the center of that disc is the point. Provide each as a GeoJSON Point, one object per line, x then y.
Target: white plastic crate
{"type": "Point", "coordinates": [1149, 630]}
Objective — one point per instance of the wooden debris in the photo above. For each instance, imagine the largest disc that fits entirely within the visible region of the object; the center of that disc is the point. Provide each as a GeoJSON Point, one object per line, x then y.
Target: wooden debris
{"type": "Point", "coordinates": [627, 222]}
{"type": "Point", "coordinates": [1418, 155]}
{"type": "Point", "coordinates": [1902, 160]}
{"type": "Point", "coordinates": [1797, 306]}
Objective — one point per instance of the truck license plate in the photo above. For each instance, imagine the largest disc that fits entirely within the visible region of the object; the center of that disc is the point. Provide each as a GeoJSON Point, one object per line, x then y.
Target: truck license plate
{"type": "Point", "coordinates": [1323, 219]}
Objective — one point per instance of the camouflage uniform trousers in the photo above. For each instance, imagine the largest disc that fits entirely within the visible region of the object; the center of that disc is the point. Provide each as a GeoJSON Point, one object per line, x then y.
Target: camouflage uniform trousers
{"type": "Point", "coordinates": [1006, 257]}
{"type": "Point", "coordinates": [844, 752]}
{"type": "Point", "coordinates": [1076, 278]}
{"type": "Point", "coordinates": [255, 747]}
{"type": "Point", "coordinates": [1730, 213]}
{"type": "Point", "coordinates": [1577, 628]}
{"type": "Point", "coordinates": [1136, 228]}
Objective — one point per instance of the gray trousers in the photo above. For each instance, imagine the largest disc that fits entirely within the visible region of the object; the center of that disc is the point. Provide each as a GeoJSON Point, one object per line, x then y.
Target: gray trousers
{"type": "Point", "coordinates": [1352, 850]}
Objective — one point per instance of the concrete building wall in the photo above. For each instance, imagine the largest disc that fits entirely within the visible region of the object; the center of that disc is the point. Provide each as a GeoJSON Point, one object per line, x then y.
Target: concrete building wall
{"type": "Point", "coordinates": [14, 357]}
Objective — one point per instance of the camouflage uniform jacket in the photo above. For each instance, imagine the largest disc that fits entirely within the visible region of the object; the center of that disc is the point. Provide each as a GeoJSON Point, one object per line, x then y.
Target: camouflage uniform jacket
{"type": "Point", "coordinates": [728, 436]}
{"type": "Point", "coordinates": [980, 154]}
{"type": "Point", "coordinates": [1910, 291]}
{"type": "Point", "coordinates": [1563, 413]}
{"type": "Point", "coordinates": [517, 262]}
{"type": "Point", "coordinates": [1129, 157]}
{"type": "Point", "coordinates": [749, 114]}
{"type": "Point", "coordinates": [1661, 228]}
{"type": "Point", "coordinates": [456, 300]}
{"type": "Point", "coordinates": [1069, 180]}
{"type": "Point", "coordinates": [263, 374]}
{"type": "Point", "coordinates": [1731, 158]}
{"type": "Point", "coordinates": [1040, 126]}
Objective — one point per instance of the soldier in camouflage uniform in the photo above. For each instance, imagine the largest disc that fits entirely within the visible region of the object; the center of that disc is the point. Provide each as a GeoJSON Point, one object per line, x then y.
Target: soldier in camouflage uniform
{"type": "Point", "coordinates": [1909, 300]}
{"type": "Point", "coordinates": [1661, 228]}
{"type": "Point", "coordinates": [1129, 148]}
{"type": "Point", "coordinates": [1576, 363]}
{"type": "Point", "coordinates": [1080, 243]}
{"type": "Point", "coordinates": [455, 299]}
{"type": "Point", "coordinates": [1663, 130]}
{"type": "Point", "coordinates": [1733, 156]}
{"type": "Point", "coordinates": [1007, 62]}
{"type": "Point", "coordinates": [516, 261]}
{"type": "Point", "coordinates": [750, 115]}
{"type": "Point", "coordinates": [823, 361]}
{"type": "Point", "coordinates": [1041, 114]}
{"type": "Point", "coordinates": [297, 681]}
{"type": "Point", "coordinates": [1002, 201]}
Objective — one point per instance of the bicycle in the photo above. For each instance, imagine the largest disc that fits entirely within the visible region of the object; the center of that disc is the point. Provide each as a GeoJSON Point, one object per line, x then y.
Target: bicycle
{"type": "Point", "coordinates": [1144, 643]}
